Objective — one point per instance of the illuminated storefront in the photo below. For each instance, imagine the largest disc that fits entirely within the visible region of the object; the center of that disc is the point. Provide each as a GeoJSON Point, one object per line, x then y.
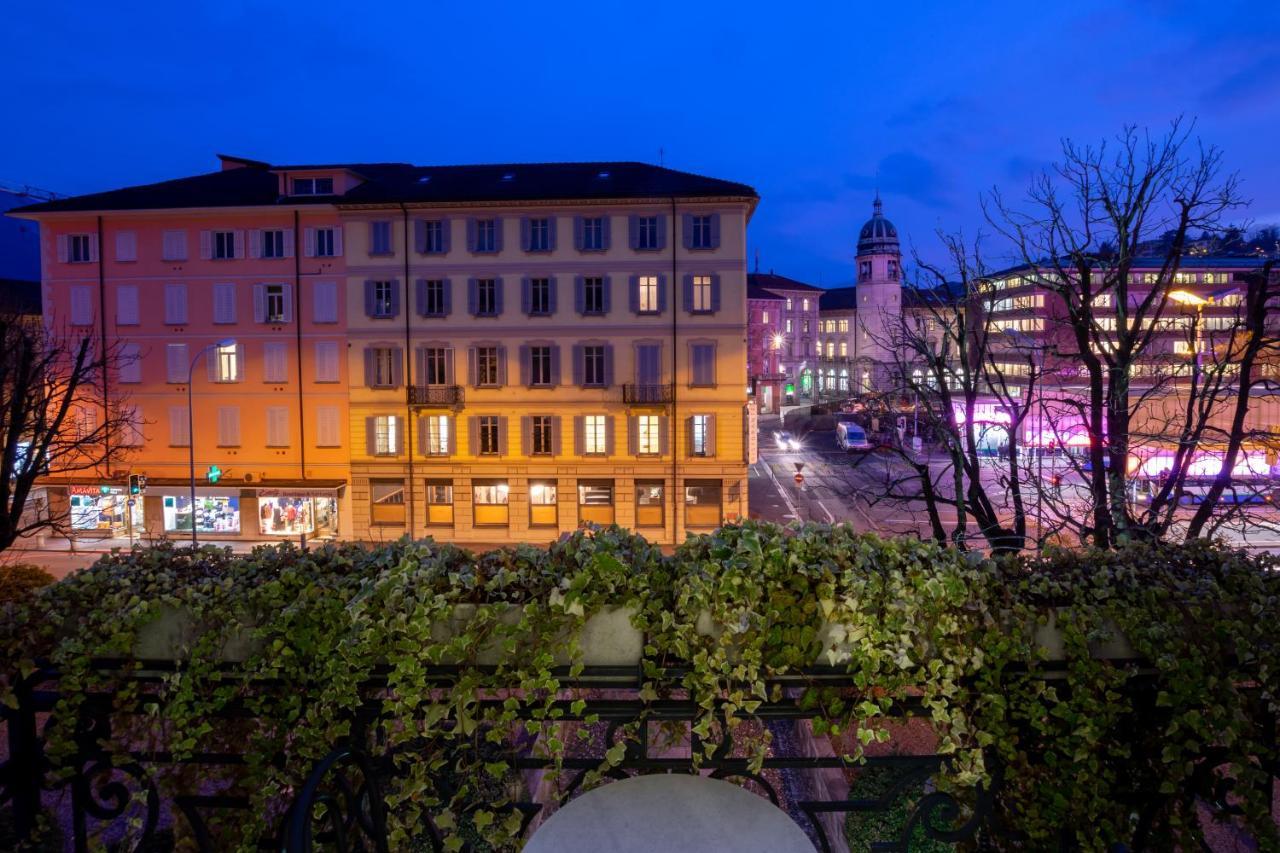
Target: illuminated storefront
{"type": "Point", "coordinates": [104, 509]}
{"type": "Point", "coordinates": [215, 512]}
{"type": "Point", "coordinates": [286, 513]}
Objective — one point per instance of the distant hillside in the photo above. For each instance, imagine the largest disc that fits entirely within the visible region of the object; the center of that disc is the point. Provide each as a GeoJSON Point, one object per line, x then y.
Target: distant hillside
{"type": "Point", "coordinates": [19, 240]}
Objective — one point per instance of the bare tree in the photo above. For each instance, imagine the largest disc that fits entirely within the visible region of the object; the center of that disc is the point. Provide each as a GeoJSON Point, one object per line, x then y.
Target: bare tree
{"type": "Point", "coordinates": [946, 365]}
{"type": "Point", "coordinates": [1107, 339]}
{"type": "Point", "coordinates": [55, 419]}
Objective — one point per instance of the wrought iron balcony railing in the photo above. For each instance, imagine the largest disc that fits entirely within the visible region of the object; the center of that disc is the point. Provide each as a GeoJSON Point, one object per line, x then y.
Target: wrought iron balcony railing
{"type": "Point", "coordinates": [647, 394]}
{"type": "Point", "coordinates": [435, 395]}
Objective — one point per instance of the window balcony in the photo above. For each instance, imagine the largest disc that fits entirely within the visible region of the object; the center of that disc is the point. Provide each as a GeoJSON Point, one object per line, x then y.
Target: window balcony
{"type": "Point", "coordinates": [435, 395]}
{"type": "Point", "coordinates": [647, 394]}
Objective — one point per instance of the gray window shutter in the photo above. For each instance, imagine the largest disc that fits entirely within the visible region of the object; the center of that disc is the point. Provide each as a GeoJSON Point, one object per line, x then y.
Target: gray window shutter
{"type": "Point", "coordinates": [577, 365]}
{"type": "Point", "coordinates": [552, 288]}
{"type": "Point", "coordinates": [502, 435]}
{"type": "Point", "coordinates": [370, 437]}
{"type": "Point", "coordinates": [686, 230]}
{"type": "Point", "coordinates": [526, 234]}
{"type": "Point", "coordinates": [445, 227]}
{"type": "Point", "coordinates": [497, 295]}
{"type": "Point", "coordinates": [551, 233]}
{"type": "Point", "coordinates": [402, 443]}
{"type": "Point", "coordinates": [715, 293]}
{"type": "Point", "coordinates": [497, 234]}
{"type": "Point", "coordinates": [308, 242]}
{"type": "Point", "coordinates": [526, 367]}
{"type": "Point", "coordinates": [526, 299]}
{"type": "Point", "coordinates": [447, 286]}
{"type": "Point", "coordinates": [453, 435]}
{"type": "Point", "coordinates": [368, 297]}
{"type": "Point", "coordinates": [422, 436]}
{"type": "Point", "coordinates": [473, 435]}
{"type": "Point", "coordinates": [555, 365]}
{"type": "Point", "coordinates": [395, 298]}
{"type": "Point", "coordinates": [606, 286]}
{"type": "Point", "coordinates": [555, 436]}
{"type": "Point", "coordinates": [688, 436]}
{"type": "Point", "coordinates": [608, 365]}
{"type": "Point", "coordinates": [211, 364]}
{"type": "Point", "coordinates": [633, 437]}
{"type": "Point", "coordinates": [472, 301]}
{"type": "Point", "coordinates": [420, 236]}
{"type": "Point", "coordinates": [715, 231]}
{"type": "Point", "coordinates": [577, 435]}
{"type": "Point", "coordinates": [604, 232]}
{"type": "Point", "coordinates": [206, 245]}
{"type": "Point", "coordinates": [289, 237]}
{"type": "Point", "coordinates": [711, 435]}
{"type": "Point", "coordinates": [397, 367]}
{"type": "Point", "coordinates": [255, 243]}
{"type": "Point", "coordinates": [526, 435]}
{"type": "Point", "coordinates": [419, 366]}
{"type": "Point", "coordinates": [664, 435]}
{"type": "Point", "coordinates": [608, 435]}
{"type": "Point", "coordinates": [369, 367]}
{"type": "Point", "coordinates": [259, 303]}
{"type": "Point", "coordinates": [373, 237]}
{"type": "Point", "coordinates": [420, 294]}
{"type": "Point", "coordinates": [635, 294]}
{"type": "Point", "coordinates": [502, 365]}
{"type": "Point", "coordinates": [579, 294]}
{"type": "Point", "coordinates": [288, 303]}
{"type": "Point", "coordinates": [471, 235]}
{"type": "Point", "coordinates": [473, 368]}
{"type": "Point", "coordinates": [662, 231]}
{"type": "Point", "coordinates": [662, 294]}
{"type": "Point", "coordinates": [688, 293]}
{"type": "Point", "coordinates": [633, 228]}
{"type": "Point", "coordinates": [449, 376]}
{"type": "Point", "coordinates": [578, 231]}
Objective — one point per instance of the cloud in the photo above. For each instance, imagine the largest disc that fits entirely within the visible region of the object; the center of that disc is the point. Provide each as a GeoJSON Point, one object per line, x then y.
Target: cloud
{"type": "Point", "coordinates": [1252, 86]}
{"type": "Point", "coordinates": [909, 174]}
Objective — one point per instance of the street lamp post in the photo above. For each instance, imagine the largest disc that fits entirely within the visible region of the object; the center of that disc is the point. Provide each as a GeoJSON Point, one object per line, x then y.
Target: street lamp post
{"type": "Point", "coordinates": [191, 431]}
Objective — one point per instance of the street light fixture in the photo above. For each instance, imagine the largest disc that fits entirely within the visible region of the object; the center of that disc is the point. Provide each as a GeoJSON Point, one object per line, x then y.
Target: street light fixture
{"type": "Point", "coordinates": [191, 430]}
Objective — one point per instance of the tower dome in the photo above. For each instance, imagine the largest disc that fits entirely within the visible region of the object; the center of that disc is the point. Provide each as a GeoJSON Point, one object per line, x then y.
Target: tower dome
{"type": "Point", "coordinates": [878, 236]}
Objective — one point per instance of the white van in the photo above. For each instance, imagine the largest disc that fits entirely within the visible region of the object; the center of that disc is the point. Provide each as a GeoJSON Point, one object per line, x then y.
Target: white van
{"type": "Point", "coordinates": [850, 436]}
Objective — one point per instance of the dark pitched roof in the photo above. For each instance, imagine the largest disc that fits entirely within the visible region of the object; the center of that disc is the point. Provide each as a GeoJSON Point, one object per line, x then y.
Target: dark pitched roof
{"type": "Point", "coordinates": [755, 291]}
{"type": "Point", "coordinates": [839, 299]}
{"type": "Point", "coordinates": [389, 183]}
{"type": "Point", "coordinates": [769, 281]}
{"type": "Point", "coordinates": [19, 296]}
{"type": "Point", "coordinates": [950, 293]}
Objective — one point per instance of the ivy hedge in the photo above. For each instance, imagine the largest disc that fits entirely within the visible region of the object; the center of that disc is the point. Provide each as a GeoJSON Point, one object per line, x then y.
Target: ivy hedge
{"type": "Point", "coordinates": [1076, 748]}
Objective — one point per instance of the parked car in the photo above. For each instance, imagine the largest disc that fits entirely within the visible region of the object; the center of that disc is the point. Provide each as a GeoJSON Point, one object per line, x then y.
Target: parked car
{"type": "Point", "coordinates": [786, 441]}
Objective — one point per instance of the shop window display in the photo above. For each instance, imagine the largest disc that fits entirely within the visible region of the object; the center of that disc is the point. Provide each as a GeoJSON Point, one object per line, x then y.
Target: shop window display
{"type": "Point", "coordinates": [214, 514]}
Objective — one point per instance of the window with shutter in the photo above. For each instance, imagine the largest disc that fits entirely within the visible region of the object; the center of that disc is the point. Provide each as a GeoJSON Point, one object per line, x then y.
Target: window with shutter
{"type": "Point", "coordinates": [79, 248]}
{"type": "Point", "coordinates": [127, 305]}
{"type": "Point", "coordinates": [130, 363]}
{"type": "Point", "coordinates": [702, 357]}
{"type": "Point", "coordinates": [179, 426]}
{"type": "Point", "coordinates": [176, 363]}
{"type": "Point", "coordinates": [175, 304]}
{"type": "Point", "coordinates": [325, 302]}
{"type": "Point", "coordinates": [173, 246]}
{"type": "Point", "coordinates": [386, 435]}
{"type": "Point", "coordinates": [222, 245]}
{"type": "Point", "coordinates": [436, 437]}
{"type": "Point", "coordinates": [228, 426]}
{"type": "Point", "coordinates": [594, 434]}
{"type": "Point", "coordinates": [126, 246]}
{"type": "Point", "coordinates": [593, 296]}
{"type": "Point", "coordinates": [647, 234]}
{"type": "Point", "coordinates": [324, 243]}
{"type": "Point", "coordinates": [224, 303]}
{"type": "Point", "coordinates": [226, 363]}
{"type": "Point", "coordinates": [327, 426]}
{"type": "Point", "coordinates": [432, 298]}
{"type": "Point", "coordinates": [81, 305]}
{"type": "Point", "coordinates": [277, 426]}
{"type": "Point", "coordinates": [275, 362]}
{"type": "Point", "coordinates": [326, 361]}
{"type": "Point", "coordinates": [380, 238]}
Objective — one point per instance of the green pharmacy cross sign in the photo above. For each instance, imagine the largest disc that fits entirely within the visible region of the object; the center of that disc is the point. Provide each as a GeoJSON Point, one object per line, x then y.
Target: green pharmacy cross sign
{"type": "Point", "coordinates": [214, 473]}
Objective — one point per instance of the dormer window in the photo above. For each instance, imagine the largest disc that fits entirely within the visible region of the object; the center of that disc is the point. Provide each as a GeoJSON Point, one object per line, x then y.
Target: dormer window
{"type": "Point", "coordinates": [313, 186]}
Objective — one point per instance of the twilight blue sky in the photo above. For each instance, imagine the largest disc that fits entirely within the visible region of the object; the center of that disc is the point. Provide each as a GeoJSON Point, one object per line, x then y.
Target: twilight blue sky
{"type": "Point", "coordinates": [808, 102]}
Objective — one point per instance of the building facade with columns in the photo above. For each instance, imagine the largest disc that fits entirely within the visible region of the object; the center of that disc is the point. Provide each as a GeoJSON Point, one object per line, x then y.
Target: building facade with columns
{"type": "Point", "coordinates": [480, 353]}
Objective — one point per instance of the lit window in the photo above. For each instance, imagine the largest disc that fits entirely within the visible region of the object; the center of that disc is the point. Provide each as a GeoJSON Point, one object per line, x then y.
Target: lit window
{"type": "Point", "coordinates": [764, 317]}
{"type": "Point", "coordinates": [647, 294]}
{"type": "Point", "coordinates": [542, 503]}
{"type": "Point", "coordinates": [789, 305]}
{"type": "Point", "coordinates": [227, 360]}
{"type": "Point", "coordinates": [649, 500]}
{"type": "Point", "coordinates": [804, 304]}
{"type": "Point", "coordinates": [701, 296]}
{"type": "Point", "coordinates": [439, 502]}
{"type": "Point", "coordinates": [490, 494]}
{"type": "Point", "coordinates": [436, 435]}
{"type": "Point", "coordinates": [699, 437]}
{"type": "Point", "coordinates": [542, 494]}
{"type": "Point", "coordinates": [843, 325]}
{"type": "Point", "coordinates": [386, 436]}
{"type": "Point", "coordinates": [788, 325]}
{"type": "Point", "coordinates": [386, 499]}
{"type": "Point", "coordinates": [648, 434]}
{"type": "Point", "coordinates": [864, 270]}
{"type": "Point", "coordinates": [844, 349]}
{"type": "Point", "coordinates": [593, 434]}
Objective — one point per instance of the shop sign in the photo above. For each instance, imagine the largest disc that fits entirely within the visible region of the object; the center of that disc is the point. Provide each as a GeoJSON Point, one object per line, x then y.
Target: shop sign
{"type": "Point", "coordinates": [96, 491]}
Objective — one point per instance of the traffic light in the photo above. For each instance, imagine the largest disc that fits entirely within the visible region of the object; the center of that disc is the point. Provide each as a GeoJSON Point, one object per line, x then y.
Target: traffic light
{"type": "Point", "coordinates": [137, 484]}
{"type": "Point", "coordinates": [213, 474]}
